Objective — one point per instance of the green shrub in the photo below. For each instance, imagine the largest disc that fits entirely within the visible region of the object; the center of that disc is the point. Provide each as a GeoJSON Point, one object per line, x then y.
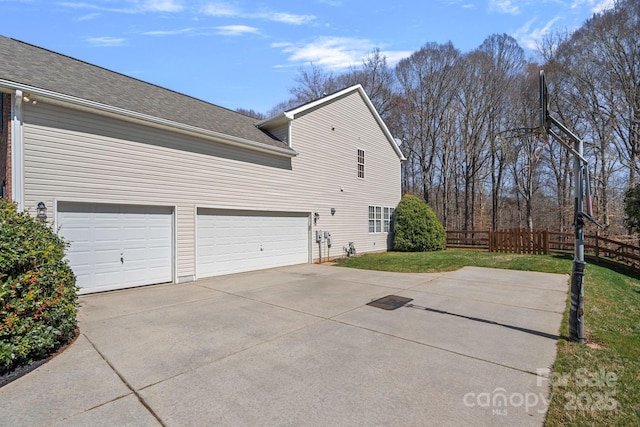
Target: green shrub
{"type": "Point", "coordinates": [416, 227]}
{"type": "Point", "coordinates": [38, 297]}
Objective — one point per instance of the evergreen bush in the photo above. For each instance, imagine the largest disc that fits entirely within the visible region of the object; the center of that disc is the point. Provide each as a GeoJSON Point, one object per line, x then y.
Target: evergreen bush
{"type": "Point", "coordinates": [416, 227]}
{"type": "Point", "coordinates": [38, 293]}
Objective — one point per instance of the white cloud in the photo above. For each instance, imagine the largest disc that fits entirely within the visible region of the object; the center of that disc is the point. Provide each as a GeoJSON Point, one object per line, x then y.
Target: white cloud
{"type": "Point", "coordinates": [578, 3]}
{"type": "Point", "coordinates": [161, 6]}
{"type": "Point", "coordinates": [135, 6]}
{"type": "Point", "coordinates": [330, 52]}
{"type": "Point", "coordinates": [286, 18]}
{"type": "Point", "coordinates": [88, 17]}
{"type": "Point", "coordinates": [226, 30]}
{"type": "Point", "coordinates": [530, 36]}
{"type": "Point", "coordinates": [236, 30]}
{"type": "Point", "coordinates": [504, 6]}
{"type": "Point", "coordinates": [603, 5]}
{"type": "Point", "coordinates": [169, 32]}
{"type": "Point", "coordinates": [220, 9]}
{"type": "Point", "coordinates": [106, 41]}
{"type": "Point", "coordinates": [335, 53]}
{"type": "Point", "coordinates": [279, 45]}
{"type": "Point", "coordinates": [334, 3]}
{"type": "Point", "coordinates": [228, 10]}
{"type": "Point", "coordinates": [395, 56]}
{"type": "Point", "coordinates": [596, 6]}
{"type": "Point", "coordinates": [81, 5]}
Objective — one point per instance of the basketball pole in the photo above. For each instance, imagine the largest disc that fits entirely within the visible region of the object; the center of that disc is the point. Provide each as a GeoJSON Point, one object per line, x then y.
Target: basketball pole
{"type": "Point", "coordinates": [576, 311]}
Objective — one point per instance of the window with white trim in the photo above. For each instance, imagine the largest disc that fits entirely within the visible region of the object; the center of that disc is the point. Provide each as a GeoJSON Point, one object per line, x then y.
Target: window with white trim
{"type": "Point", "coordinates": [372, 219]}
{"type": "Point", "coordinates": [360, 163]}
{"type": "Point", "coordinates": [388, 215]}
{"type": "Point", "coordinates": [380, 219]}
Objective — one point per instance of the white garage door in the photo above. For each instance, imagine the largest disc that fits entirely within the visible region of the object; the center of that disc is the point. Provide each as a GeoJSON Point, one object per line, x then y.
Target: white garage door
{"type": "Point", "coordinates": [233, 242]}
{"type": "Point", "coordinates": [116, 246]}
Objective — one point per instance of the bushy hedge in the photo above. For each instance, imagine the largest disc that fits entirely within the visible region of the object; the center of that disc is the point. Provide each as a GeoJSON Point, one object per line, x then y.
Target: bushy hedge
{"type": "Point", "coordinates": [416, 227]}
{"type": "Point", "coordinates": [38, 297]}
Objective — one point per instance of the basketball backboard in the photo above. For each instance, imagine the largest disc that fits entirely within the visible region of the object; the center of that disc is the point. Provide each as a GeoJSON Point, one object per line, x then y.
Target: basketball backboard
{"type": "Point", "coordinates": [544, 104]}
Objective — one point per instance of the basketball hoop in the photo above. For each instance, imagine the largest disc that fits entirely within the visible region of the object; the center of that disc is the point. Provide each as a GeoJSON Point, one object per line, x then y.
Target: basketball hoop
{"type": "Point", "coordinates": [550, 126]}
{"type": "Point", "coordinates": [518, 133]}
{"type": "Point", "coordinates": [542, 135]}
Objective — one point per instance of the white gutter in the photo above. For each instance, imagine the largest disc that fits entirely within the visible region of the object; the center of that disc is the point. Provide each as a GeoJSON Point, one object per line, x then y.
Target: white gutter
{"type": "Point", "coordinates": [121, 112]}
{"type": "Point", "coordinates": [17, 163]}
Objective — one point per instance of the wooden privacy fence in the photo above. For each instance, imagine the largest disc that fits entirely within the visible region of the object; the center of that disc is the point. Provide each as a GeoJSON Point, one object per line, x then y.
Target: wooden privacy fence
{"type": "Point", "coordinates": [540, 242]}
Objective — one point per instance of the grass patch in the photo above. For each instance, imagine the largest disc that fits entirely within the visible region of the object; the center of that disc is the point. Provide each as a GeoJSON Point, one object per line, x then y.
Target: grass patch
{"type": "Point", "coordinates": [593, 385]}
{"type": "Point", "coordinates": [454, 259]}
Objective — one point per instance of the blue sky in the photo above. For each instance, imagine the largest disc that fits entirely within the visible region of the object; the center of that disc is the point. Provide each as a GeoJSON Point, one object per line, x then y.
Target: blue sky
{"type": "Point", "coordinates": [246, 54]}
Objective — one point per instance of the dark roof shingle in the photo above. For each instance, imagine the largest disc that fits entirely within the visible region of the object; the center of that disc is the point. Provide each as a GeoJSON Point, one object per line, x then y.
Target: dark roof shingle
{"type": "Point", "coordinates": [34, 66]}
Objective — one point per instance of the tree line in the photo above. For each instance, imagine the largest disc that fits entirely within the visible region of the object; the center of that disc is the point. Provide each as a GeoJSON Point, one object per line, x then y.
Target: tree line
{"type": "Point", "coordinates": [470, 123]}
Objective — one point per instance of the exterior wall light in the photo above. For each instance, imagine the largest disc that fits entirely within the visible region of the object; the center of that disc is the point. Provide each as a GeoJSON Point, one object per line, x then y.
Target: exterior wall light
{"type": "Point", "coordinates": [42, 211]}
{"type": "Point", "coordinates": [333, 211]}
{"type": "Point", "coordinates": [316, 217]}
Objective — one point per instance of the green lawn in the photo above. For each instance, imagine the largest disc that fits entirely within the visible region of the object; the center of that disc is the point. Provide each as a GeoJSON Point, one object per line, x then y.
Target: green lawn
{"type": "Point", "coordinates": [593, 385]}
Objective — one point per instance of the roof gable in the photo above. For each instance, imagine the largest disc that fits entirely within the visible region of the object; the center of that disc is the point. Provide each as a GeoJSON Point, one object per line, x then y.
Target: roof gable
{"type": "Point", "coordinates": [320, 102]}
{"type": "Point", "coordinates": [29, 67]}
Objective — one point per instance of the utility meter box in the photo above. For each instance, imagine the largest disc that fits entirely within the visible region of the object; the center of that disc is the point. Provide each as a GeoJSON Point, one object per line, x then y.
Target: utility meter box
{"type": "Point", "coordinates": [318, 236]}
{"type": "Point", "coordinates": [327, 237]}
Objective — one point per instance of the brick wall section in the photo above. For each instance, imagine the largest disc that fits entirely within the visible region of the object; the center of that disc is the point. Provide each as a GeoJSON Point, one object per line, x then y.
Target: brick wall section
{"type": "Point", "coordinates": [5, 144]}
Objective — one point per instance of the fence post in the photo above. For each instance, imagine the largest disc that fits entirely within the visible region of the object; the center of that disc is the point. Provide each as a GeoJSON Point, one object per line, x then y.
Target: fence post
{"type": "Point", "coordinates": [545, 235]}
{"type": "Point", "coordinates": [540, 242]}
{"type": "Point", "coordinates": [490, 235]}
{"type": "Point", "coordinates": [597, 248]}
{"type": "Point", "coordinates": [511, 245]}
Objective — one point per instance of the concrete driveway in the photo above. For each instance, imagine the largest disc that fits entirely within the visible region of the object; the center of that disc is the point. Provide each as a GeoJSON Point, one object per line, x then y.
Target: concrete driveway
{"type": "Point", "coordinates": [300, 346]}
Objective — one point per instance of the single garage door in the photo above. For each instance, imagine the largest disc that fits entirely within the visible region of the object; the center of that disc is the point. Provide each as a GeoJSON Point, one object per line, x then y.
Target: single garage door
{"type": "Point", "coordinates": [233, 242]}
{"type": "Point", "coordinates": [117, 246]}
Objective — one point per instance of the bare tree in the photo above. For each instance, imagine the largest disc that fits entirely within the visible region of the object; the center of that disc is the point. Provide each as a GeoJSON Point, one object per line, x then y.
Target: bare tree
{"type": "Point", "coordinates": [473, 105]}
{"type": "Point", "coordinates": [427, 82]}
{"type": "Point", "coordinates": [599, 66]}
{"type": "Point", "coordinates": [526, 152]}
{"type": "Point", "coordinates": [251, 113]}
{"type": "Point", "coordinates": [313, 83]}
{"type": "Point", "coordinates": [376, 79]}
{"type": "Point", "coordinates": [451, 111]}
{"type": "Point", "coordinates": [504, 66]}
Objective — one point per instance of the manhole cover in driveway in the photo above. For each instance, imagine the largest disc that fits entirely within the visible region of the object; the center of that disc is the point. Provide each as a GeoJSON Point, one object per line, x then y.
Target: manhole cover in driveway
{"type": "Point", "coordinates": [390, 302]}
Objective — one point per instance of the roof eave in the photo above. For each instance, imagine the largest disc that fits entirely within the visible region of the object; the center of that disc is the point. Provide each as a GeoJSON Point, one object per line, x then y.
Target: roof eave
{"type": "Point", "coordinates": [278, 119]}
{"type": "Point", "coordinates": [55, 97]}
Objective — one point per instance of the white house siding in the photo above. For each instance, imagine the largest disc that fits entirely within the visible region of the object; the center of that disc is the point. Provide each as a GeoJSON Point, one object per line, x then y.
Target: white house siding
{"type": "Point", "coordinates": [73, 155]}
{"type": "Point", "coordinates": [281, 133]}
{"type": "Point", "coordinates": [328, 139]}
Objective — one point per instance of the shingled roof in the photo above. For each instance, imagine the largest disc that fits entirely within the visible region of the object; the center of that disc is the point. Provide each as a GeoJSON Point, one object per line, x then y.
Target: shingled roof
{"type": "Point", "coordinates": [36, 67]}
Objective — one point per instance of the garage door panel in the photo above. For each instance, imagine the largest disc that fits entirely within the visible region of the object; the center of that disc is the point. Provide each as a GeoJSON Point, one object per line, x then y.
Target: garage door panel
{"type": "Point", "coordinates": [117, 246]}
{"type": "Point", "coordinates": [232, 242]}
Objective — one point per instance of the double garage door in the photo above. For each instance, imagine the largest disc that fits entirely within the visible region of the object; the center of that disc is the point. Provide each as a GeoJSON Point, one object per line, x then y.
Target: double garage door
{"type": "Point", "coordinates": [117, 246]}
{"type": "Point", "coordinates": [237, 241]}
{"type": "Point", "coordinates": [121, 246]}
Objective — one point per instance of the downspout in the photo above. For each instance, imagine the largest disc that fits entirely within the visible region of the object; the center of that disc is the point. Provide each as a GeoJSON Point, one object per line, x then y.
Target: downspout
{"type": "Point", "coordinates": [17, 159]}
